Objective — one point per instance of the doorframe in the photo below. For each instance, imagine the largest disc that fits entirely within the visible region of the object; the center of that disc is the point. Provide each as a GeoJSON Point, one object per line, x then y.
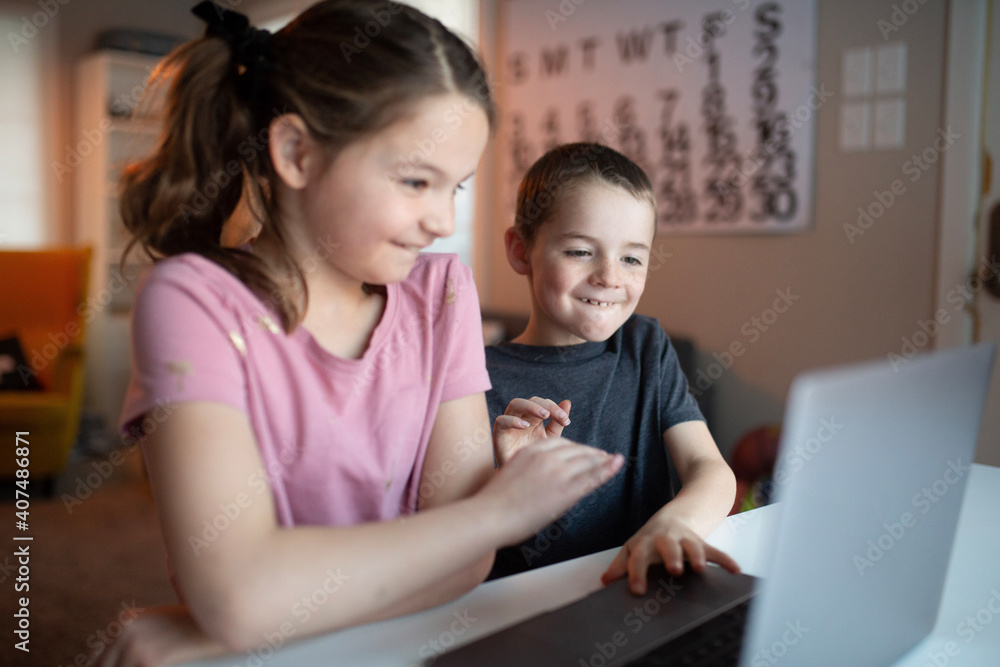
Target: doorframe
{"type": "Point", "coordinates": [962, 168]}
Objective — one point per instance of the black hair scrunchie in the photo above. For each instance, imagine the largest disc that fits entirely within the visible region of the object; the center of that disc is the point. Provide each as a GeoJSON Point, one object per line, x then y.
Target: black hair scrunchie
{"type": "Point", "coordinates": [250, 46]}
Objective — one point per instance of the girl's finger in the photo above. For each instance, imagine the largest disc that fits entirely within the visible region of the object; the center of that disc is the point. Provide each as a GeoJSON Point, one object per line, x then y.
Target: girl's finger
{"type": "Point", "coordinates": [108, 657]}
{"type": "Point", "coordinates": [596, 472]}
{"type": "Point", "coordinates": [567, 449]}
{"type": "Point", "coordinates": [577, 469]}
{"type": "Point", "coordinates": [561, 445]}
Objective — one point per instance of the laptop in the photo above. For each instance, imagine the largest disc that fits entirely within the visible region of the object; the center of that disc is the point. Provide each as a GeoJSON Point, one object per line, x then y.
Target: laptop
{"type": "Point", "coordinates": [871, 472]}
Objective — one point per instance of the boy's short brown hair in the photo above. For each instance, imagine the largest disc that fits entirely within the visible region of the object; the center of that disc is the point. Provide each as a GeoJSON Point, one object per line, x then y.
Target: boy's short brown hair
{"type": "Point", "coordinates": [567, 166]}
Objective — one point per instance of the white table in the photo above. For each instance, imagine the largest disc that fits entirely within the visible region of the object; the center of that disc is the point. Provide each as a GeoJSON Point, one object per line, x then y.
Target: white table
{"type": "Point", "coordinates": [972, 591]}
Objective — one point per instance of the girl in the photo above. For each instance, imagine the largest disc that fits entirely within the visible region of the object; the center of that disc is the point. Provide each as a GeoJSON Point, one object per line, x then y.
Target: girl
{"type": "Point", "coordinates": [311, 408]}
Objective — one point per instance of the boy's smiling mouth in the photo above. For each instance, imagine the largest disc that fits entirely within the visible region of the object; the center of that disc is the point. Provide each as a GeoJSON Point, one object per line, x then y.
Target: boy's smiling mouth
{"type": "Point", "coordinates": [602, 304]}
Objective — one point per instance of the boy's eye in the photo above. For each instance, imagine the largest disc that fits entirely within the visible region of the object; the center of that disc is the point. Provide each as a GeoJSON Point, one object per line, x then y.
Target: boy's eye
{"type": "Point", "coordinates": [578, 253]}
{"type": "Point", "coordinates": [635, 261]}
{"type": "Point", "coordinates": [415, 183]}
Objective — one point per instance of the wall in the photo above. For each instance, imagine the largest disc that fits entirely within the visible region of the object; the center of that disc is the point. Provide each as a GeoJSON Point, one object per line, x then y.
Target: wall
{"type": "Point", "coordinates": [851, 301]}
{"type": "Point", "coordinates": [29, 50]}
{"type": "Point", "coordinates": [854, 301]}
{"type": "Point", "coordinates": [78, 24]}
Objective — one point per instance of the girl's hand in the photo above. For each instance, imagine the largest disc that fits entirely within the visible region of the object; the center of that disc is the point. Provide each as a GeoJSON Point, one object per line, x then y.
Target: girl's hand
{"type": "Point", "coordinates": [542, 481]}
{"type": "Point", "coordinates": [159, 636]}
{"type": "Point", "coordinates": [664, 539]}
{"type": "Point", "coordinates": [523, 422]}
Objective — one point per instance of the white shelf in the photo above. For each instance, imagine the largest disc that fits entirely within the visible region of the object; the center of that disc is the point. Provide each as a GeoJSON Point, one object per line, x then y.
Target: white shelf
{"type": "Point", "coordinates": [116, 123]}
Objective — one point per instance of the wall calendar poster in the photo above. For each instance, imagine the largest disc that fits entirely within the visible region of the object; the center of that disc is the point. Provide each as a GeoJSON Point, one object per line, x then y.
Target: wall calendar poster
{"type": "Point", "coordinates": [714, 99]}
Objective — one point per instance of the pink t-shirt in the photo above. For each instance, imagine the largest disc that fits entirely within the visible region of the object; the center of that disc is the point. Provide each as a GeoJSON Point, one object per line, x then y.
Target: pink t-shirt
{"type": "Point", "coordinates": [342, 440]}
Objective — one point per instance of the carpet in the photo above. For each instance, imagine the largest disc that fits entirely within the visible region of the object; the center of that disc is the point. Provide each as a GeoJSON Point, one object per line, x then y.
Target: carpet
{"type": "Point", "coordinates": [96, 554]}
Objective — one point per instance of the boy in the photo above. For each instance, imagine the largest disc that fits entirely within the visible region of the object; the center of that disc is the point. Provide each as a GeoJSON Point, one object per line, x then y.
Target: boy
{"type": "Point", "coordinates": [586, 217]}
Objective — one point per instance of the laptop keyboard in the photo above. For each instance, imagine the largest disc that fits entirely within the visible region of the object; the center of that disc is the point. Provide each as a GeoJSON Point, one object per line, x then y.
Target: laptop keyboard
{"type": "Point", "coordinates": [715, 643]}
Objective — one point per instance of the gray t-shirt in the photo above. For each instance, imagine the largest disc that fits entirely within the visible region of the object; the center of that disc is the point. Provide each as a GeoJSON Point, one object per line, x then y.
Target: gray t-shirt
{"type": "Point", "coordinates": [626, 391]}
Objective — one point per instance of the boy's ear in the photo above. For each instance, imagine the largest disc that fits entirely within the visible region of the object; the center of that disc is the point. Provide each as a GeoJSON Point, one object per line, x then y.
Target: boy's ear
{"type": "Point", "coordinates": [518, 255]}
{"type": "Point", "coordinates": [294, 153]}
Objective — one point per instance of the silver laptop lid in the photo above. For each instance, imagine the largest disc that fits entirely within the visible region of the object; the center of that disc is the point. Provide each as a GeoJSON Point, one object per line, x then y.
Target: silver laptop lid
{"type": "Point", "coordinates": [871, 473]}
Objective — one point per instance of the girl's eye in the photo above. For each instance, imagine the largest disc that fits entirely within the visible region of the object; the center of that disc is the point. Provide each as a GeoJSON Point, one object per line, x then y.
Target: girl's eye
{"type": "Point", "coordinates": [415, 183]}
{"type": "Point", "coordinates": [460, 186]}
{"type": "Point", "coordinates": [577, 253]}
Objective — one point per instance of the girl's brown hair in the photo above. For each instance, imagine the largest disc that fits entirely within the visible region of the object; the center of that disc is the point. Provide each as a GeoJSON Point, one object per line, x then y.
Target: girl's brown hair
{"type": "Point", "coordinates": [567, 166]}
{"type": "Point", "coordinates": [349, 68]}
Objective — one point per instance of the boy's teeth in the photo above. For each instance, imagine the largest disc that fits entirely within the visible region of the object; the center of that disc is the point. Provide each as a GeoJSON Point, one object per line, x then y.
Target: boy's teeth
{"type": "Point", "coordinates": [602, 304]}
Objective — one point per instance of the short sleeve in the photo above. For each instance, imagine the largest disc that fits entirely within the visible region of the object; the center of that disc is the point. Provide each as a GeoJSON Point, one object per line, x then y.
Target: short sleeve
{"type": "Point", "coordinates": [186, 344]}
{"type": "Point", "coordinates": [677, 405]}
{"type": "Point", "coordinates": [465, 370]}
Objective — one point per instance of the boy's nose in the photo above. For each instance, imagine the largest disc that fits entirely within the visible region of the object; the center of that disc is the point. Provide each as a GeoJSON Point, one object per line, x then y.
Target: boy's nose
{"type": "Point", "coordinates": [607, 274]}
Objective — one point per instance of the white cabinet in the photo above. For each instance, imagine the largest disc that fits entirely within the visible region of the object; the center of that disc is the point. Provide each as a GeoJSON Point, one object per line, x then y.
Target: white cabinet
{"type": "Point", "coordinates": [115, 123]}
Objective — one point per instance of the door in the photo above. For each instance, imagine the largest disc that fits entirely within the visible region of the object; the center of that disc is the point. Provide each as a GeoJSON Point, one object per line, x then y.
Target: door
{"type": "Point", "coordinates": [984, 279]}
{"type": "Point", "coordinates": [968, 288]}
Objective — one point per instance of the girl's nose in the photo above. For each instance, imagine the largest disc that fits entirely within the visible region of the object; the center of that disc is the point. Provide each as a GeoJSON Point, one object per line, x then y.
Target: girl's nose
{"type": "Point", "coordinates": [439, 220]}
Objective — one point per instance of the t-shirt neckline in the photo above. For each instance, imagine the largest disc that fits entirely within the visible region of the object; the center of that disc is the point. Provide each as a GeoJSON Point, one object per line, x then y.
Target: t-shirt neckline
{"type": "Point", "coordinates": [553, 353]}
{"type": "Point", "coordinates": [382, 329]}
{"type": "Point", "coordinates": [305, 337]}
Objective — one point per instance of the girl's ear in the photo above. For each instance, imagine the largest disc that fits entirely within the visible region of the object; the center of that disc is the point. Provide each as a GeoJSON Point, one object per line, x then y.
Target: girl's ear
{"type": "Point", "coordinates": [294, 153]}
{"type": "Point", "coordinates": [518, 254]}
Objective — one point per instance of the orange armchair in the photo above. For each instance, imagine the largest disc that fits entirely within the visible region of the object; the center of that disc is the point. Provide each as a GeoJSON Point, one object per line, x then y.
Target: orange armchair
{"type": "Point", "coordinates": [42, 302]}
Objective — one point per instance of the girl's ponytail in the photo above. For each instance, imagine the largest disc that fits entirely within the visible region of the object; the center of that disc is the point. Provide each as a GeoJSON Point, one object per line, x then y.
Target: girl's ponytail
{"type": "Point", "coordinates": [226, 87]}
{"type": "Point", "coordinates": [212, 151]}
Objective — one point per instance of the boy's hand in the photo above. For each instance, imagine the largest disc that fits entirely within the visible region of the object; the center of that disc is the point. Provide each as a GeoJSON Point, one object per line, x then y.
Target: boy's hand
{"type": "Point", "coordinates": [667, 539]}
{"type": "Point", "coordinates": [524, 422]}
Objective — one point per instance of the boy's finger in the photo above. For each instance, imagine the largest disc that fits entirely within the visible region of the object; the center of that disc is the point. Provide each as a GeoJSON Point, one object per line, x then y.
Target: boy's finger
{"type": "Point", "coordinates": [522, 407]}
{"type": "Point", "coordinates": [510, 421]}
{"type": "Point", "coordinates": [695, 551]}
{"type": "Point", "coordinates": [554, 428]}
{"type": "Point", "coordinates": [618, 567]}
{"type": "Point", "coordinates": [556, 412]}
{"type": "Point", "coordinates": [638, 565]}
{"type": "Point", "coordinates": [672, 555]}
{"type": "Point", "coordinates": [722, 558]}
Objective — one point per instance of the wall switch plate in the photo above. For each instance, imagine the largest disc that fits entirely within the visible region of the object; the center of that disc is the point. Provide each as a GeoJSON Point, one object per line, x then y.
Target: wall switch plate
{"type": "Point", "coordinates": [890, 68]}
{"type": "Point", "coordinates": [855, 126]}
{"type": "Point", "coordinates": [857, 72]}
{"type": "Point", "coordinates": [890, 124]}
